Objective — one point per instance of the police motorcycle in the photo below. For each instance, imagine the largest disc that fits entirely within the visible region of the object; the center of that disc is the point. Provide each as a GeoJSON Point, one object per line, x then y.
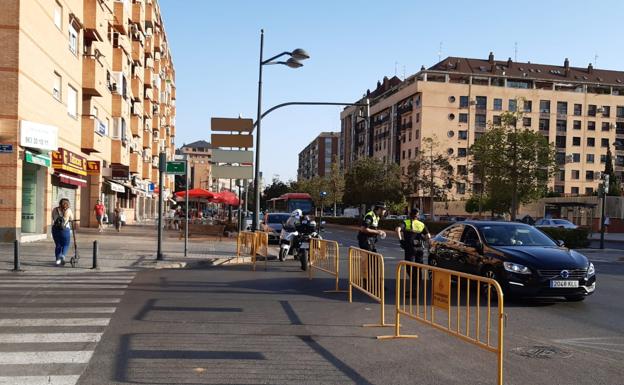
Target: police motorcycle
{"type": "Point", "coordinates": [288, 235]}
{"type": "Point", "coordinates": [307, 230]}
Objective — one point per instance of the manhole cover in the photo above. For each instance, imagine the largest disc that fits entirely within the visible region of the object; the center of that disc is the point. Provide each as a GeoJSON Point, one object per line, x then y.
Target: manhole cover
{"type": "Point", "coordinates": [544, 352]}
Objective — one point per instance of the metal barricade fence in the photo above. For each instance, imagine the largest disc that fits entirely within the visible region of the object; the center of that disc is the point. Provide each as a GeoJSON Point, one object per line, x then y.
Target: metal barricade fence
{"type": "Point", "coordinates": [366, 273]}
{"type": "Point", "coordinates": [261, 248]}
{"type": "Point", "coordinates": [324, 256]}
{"type": "Point", "coordinates": [424, 293]}
{"type": "Point", "coordinates": [246, 245]}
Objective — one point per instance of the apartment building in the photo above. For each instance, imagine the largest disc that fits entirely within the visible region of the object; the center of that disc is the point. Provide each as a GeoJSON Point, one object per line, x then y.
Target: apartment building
{"type": "Point", "coordinates": [199, 155]}
{"type": "Point", "coordinates": [88, 102]}
{"type": "Point", "coordinates": [579, 109]}
{"type": "Point", "coordinates": [317, 158]}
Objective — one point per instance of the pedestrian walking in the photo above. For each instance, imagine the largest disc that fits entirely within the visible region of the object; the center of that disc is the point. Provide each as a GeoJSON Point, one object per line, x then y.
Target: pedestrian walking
{"type": "Point", "coordinates": [607, 222]}
{"type": "Point", "coordinates": [61, 233]}
{"type": "Point", "coordinates": [412, 235]}
{"type": "Point", "coordinates": [99, 211]}
{"type": "Point", "coordinates": [117, 218]}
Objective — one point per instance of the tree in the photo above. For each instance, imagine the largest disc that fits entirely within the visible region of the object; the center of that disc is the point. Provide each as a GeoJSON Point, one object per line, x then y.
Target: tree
{"type": "Point", "coordinates": [614, 182]}
{"type": "Point", "coordinates": [517, 164]}
{"type": "Point", "coordinates": [335, 185]}
{"type": "Point", "coordinates": [274, 190]}
{"type": "Point", "coordinates": [369, 180]}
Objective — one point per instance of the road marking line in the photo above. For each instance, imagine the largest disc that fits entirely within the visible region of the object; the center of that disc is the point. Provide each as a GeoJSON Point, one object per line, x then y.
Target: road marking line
{"type": "Point", "coordinates": [56, 300]}
{"type": "Point", "coordinates": [21, 310]}
{"type": "Point", "coordinates": [42, 358]}
{"type": "Point", "coordinates": [24, 338]}
{"type": "Point", "coordinates": [39, 380]}
{"type": "Point", "coordinates": [50, 281]}
{"type": "Point", "coordinates": [53, 322]}
{"type": "Point", "coordinates": [56, 285]}
{"type": "Point", "coordinates": [72, 293]}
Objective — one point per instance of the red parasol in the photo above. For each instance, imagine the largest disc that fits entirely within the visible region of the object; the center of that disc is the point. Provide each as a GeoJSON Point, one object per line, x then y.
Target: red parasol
{"type": "Point", "coordinates": [226, 197]}
{"type": "Point", "coordinates": [196, 193]}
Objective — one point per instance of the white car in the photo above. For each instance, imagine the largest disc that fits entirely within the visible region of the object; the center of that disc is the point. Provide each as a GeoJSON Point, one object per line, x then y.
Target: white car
{"type": "Point", "coordinates": [561, 223]}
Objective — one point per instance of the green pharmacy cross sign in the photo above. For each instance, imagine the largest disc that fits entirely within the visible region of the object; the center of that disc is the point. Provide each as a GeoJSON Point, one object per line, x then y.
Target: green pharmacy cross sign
{"type": "Point", "coordinates": [176, 168]}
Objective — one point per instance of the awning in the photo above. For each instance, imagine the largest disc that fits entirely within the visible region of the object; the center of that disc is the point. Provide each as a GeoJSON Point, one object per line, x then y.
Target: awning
{"type": "Point", "coordinates": [117, 187]}
{"type": "Point", "coordinates": [75, 181]}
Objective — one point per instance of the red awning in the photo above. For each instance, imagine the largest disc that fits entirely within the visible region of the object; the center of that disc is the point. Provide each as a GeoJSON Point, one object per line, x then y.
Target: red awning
{"type": "Point", "coordinates": [196, 193]}
{"type": "Point", "coordinates": [75, 181]}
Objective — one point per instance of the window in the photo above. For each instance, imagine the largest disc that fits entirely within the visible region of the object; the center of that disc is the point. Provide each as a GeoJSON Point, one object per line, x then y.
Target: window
{"type": "Point", "coordinates": [498, 104]}
{"type": "Point", "coordinates": [591, 126]}
{"type": "Point", "coordinates": [574, 190]}
{"type": "Point", "coordinates": [72, 101]}
{"type": "Point", "coordinates": [403, 157]}
{"type": "Point", "coordinates": [463, 102]}
{"type": "Point", "coordinates": [463, 118]}
{"type": "Point", "coordinates": [462, 169]}
{"type": "Point", "coordinates": [526, 122]}
{"type": "Point", "coordinates": [528, 106]}
{"type": "Point", "coordinates": [544, 124]}
{"type": "Point", "coordinates": [560, 141]}
{"type": "Point", "coordinates": [591, 110]}
{"type": "Point", "coordinates": [417, 117]}
{"type": "Point", "coordinates": [409, 153]}
{"type": "Point", "coordinates": [463, 135]}
{"type": "Point", "coordinates": [461, 188]}
{"type": "Point", "coordinates": [578, 109]}
{"type": "Point", "coordinates": [606, 111]}
{"type": "Point", "coordinates": [562, 125]}
{"type": "Point", "coordinates": [603, 159]}
{"type": "Point", "coordinates": [496, 120]}
{"type": "Point", "coordinates": [576, 174]}
{"type": "Point", "coordinates": [545, 106]}
{"type": "Point", "coordinates": [576, 141]}
{"type": "Point", "coordinates": [589, 158]}
{"type": "Point", "coordinates": [589, 175]}
{"type": "Point", "coordinates": [560, 158]}
{"type": "Point", "coordinates": [605, 126]}
{"type": "Point", "coordinates": [513, 105]}
{"type": "Point", "coordinates": [576, 158]}
{"type": "Point", "coordinates": [480, 120]}
{"type": "Point", "coordinates": [619, 112]}
{"type": "Point", "coordinates": [73, 39]}
{"type": "Point", "coordinates": [562, 108]}
{"type": "Point", "coordinates": [591, 142]}
{"type": "Point", "coordinates": [481, 102]}
{"type": "Point", "coordinates": [410, 136]}
{"type": "Point", "coordinates": [604, 142]}
{"type": "Point", "coordinates": [576, 124]}
{"type": "Point", "coordinates": [558, 189]}
{"type": "Point", "coordinates": [462, 152]}
{"type": "Point", "coordinates": [589, 190]}
{"type": "Point", "coordinates": [58, 15]}
{"type": "Point", "coordinates": [56, 87]}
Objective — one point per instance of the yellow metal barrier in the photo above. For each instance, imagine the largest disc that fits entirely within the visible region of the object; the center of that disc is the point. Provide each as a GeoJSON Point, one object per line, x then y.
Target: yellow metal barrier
{"type": "Point", "coordinates": [429, 298]}
{"type": "Point", "coordinates": [246, 244]}
{"type": "Point", "coordinates": [324, 256]}
{"type": "Point", "coordinates": [261, 248]}
{"type": "Point", "coordinates": [366, 273]}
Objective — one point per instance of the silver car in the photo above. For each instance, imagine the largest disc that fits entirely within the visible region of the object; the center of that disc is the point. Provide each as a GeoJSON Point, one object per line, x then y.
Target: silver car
{"type": "Point", "coordinates": [561, 223]}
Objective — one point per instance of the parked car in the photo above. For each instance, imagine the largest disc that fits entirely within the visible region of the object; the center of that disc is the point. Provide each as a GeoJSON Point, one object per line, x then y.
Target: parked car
{"type": "Point", "coordinates": [522, 259]}
{"type": "Point", "coordinates": [561, 223]}
{"type": "Point", "coordinates": [272, 224]}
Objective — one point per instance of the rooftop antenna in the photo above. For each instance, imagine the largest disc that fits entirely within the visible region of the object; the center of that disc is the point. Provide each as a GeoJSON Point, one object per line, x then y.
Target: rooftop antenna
{"type": "Point", "coordinates": [440, 52]}
{"type": "Point", "coordinates": [396, 63]}
{"type": "Point", "coordinates": [404, 72]}
{"type": "Point", "coordinates": [516, 52]}
{"type": "Point", "coordinates": [596, 60]}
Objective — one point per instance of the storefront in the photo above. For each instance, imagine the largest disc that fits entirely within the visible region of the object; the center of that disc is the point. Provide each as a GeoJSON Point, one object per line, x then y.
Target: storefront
{"type": "Point", "coordinates": [70, 170]}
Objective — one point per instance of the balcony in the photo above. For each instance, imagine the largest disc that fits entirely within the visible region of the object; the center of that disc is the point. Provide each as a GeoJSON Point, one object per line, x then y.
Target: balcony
{"type": "Point", "coordinates": [137, 51]}
{"type": "Point", "coordinates": [147, 107]}
{"type": "Point", "coordinates": [120, 60]}
{"type": "Point", "coordinates": [119, 153]}
{"type": "Point", "coordinates": [122, 14]}
{"type": "Point", "coordinates": [148, 46]}
{"type": "Point", "coordinates": [173, 93]}
{"type": "Point", "coordinates": [147, 139]}
{"type": "Point", "coordinates": [120, 107]}
{"type": "Point", "coordinates": [95, 20]}
{"type": "Point", "coordinates": [136, 163]}
{"type": "Point", "coordinates": [93, 77]}
{"type": "Point", "coordinates": [136, 125]}
{"type": "Point", "coordinates": [158, 41]}
{"type": "Point", "coordinates": [138, 14]}
{"type": "Point", "coordinates": [93, 138]}
{"type": "Point", "coordinates": [147, 78]}
{"type": "Point", "coordinates": [137, 87]}
{"type": "Point", "coordinates": [149, 15]}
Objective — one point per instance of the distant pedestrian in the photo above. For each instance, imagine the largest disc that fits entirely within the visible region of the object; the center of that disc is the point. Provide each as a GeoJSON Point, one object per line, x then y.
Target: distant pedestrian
{"type": "Point", "coordinates": [99, 211]}
{"type": "Point", "coordinates": [117, 215]}
{"type": "Point", "coordinates": [607, 222]}
{"type": "Point", "coordinates": [61, 233]}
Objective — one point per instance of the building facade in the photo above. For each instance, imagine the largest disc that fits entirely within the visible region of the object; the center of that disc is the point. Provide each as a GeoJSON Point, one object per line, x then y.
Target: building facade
{"type": "Point", "coordinates": [580, 110]}
{"type": "Point", "coordinates": [317, 158]}
{"type": "Point", "coordinates": [88, 102]}
{"type": "Point", "coordinates": [199, 155]}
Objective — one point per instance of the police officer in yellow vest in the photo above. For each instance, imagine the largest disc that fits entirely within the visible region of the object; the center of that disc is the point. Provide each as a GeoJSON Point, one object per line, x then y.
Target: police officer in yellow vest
{"type": "Point", "coordinates": [412, 234]}
{"type": "Point", "coordinates": [368, 232]}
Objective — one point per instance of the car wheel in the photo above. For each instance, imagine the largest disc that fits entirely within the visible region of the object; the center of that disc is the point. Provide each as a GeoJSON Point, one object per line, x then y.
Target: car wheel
{"type": "Point", "coordinates": [490, 272]}
{"type": "Point", "coordinates": [575, 298]}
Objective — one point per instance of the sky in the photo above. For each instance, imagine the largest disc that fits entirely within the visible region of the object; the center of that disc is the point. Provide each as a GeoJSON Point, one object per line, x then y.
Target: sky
{"type": "Point", "coordinates": [353, 44]}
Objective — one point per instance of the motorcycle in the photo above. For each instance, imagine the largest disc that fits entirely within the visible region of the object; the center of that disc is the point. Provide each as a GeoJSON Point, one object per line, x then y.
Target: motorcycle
{"type": "Point", "coordinates": [287, 244]}
{"type": "Point", "coordinates": [306, 231]}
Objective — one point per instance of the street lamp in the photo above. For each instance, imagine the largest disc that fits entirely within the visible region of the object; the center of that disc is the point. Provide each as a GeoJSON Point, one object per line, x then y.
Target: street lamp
{"type": "Point", "coordinates": [292, 62]}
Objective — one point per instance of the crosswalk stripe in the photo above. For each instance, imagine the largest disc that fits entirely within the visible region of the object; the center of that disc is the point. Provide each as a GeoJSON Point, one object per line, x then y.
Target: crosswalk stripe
{"type": "Point", "coordinates": [21, 310]}
{"type": "Point", "coordinates": [39, 380]}
{"type": "Point", "coordinates": [56, 300]}
{"type": "Point", "coordinates": [61, 285]}
{"type": "Point", "coordinates": [25, 338]}
{"type": "Point", "coordinates": [7, 322]}
{"type": "Point", "coordinates": [38, 358]}
{"type": "Point", "coordinates": [66, 279]}
{"type": "Point", "coordinates": [73, 293]}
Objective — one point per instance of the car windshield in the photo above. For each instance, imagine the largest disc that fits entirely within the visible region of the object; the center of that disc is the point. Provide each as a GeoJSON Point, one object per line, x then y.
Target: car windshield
{"type": "Point", "coordinates": [560, 222]}
{"type": "Point", "coordinates": [278, 218]}
{"type": "Point", "coordinates": [510, 234]}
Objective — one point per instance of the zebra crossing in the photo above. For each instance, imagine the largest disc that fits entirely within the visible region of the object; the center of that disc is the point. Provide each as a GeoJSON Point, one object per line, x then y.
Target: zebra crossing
{"type": "Point", "coordinates": [50, 324]}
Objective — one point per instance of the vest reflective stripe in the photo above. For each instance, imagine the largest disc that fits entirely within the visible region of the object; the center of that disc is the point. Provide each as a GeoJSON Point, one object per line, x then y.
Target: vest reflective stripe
{"type": "Point", "coordinates": [375, 218]}
{"type": "Point", "coordinates": [414, 225]}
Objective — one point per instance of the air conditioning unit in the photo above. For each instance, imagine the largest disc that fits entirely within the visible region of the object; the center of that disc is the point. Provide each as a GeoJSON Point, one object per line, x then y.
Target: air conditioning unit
{"type": "Point", "coordinates": [117, 83]}
{"type": "Point", "coordinates": [136, 108]}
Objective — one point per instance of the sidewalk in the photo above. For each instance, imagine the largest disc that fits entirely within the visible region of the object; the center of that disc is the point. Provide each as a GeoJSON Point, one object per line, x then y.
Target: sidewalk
{"type": "Point", "coordinates": [610, 237]}
{"type": "Point", "coordinates": [132, 248]}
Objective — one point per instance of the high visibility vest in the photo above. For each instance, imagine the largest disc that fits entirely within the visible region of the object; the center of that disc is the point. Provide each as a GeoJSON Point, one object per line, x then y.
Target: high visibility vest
{"type": "Point", "coordinates": [374, 216]}
{"type": "Point", "coordinates": [414, 225]}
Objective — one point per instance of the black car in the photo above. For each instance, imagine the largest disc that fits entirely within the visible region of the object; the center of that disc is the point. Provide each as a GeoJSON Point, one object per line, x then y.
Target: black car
{"type": "Point", "coordinates": [524, 260]}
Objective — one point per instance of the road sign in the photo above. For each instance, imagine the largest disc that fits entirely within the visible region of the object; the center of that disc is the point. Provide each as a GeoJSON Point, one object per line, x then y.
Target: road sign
{"type": "Point", "coordinates": [176, 168]}
{"type": "Point", "coordinates": [232, 172]}
{"type": "Point", "coordinates": [234, 140]}
{"type": "Point", "coordinates": [232, 156]}
{"type": "Point", "coordinates": [230, 124]}
{"type": "Point", "coordinates": [6, 148]}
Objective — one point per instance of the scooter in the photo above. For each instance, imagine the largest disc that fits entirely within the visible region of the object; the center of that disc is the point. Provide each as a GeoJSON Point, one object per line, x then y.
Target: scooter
{"type": "Point", "coordinates": [73, 261]}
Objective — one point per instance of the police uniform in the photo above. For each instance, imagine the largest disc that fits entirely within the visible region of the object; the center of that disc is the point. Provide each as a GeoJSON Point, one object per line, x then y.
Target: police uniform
{"type": "Point", "coordinates": [367, 241]}
{"type": "Point", "coordinates": [414, 232]}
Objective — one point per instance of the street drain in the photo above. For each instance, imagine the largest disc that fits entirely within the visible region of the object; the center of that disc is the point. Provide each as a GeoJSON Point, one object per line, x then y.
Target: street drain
{"type": "Point", "coordinates": [542, 352]}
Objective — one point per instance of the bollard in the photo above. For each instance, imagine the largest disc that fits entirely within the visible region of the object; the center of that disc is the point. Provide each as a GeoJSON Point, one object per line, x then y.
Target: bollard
{"type": "Point", "coordinates": [16, 252]}
{"type": "Point", "coordinates": [95, 254]}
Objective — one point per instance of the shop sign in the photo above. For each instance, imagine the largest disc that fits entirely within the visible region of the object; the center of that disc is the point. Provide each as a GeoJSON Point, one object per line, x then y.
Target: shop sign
{"type": "Point", "coordinates": [116, 187]}
{"type": "Point", "coordinates": [151, 187]}
{"type": "Point", "coordinates": [38, 159]}
{"type": "Point", "coordinates": [120, 172]}
{"type": "Point", "coordinates": [6, 148]}
{"type": "Point", "coordinates": [93, 167]}
{"type": "Point", "coordinates": [69, 161]}
{"type": "Point", "coordinates": [37, 135]}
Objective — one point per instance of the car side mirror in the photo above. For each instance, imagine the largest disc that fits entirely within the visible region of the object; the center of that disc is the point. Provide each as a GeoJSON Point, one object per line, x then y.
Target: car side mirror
{"type": "Point", "coordinates": [560, 243]}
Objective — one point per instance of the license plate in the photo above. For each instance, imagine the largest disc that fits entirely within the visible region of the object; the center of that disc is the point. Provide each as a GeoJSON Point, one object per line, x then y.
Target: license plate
{"type": "Point", "coordinates": [564, 284]}
{"type": "Point", "coordinates": [305, 246]}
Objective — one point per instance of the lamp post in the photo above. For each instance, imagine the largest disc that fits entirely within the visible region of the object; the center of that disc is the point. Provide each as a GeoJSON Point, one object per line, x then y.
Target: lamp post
{"type": "Point", "coordinates": [292, 62]}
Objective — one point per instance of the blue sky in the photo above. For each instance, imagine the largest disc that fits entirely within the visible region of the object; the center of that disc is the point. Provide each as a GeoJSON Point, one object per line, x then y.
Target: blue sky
{"type": "Point", "coordinates": [353, 44]}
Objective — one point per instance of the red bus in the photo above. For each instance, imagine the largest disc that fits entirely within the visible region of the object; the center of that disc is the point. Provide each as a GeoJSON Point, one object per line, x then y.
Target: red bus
{"type": "Point", "coordinates": [289, 202]}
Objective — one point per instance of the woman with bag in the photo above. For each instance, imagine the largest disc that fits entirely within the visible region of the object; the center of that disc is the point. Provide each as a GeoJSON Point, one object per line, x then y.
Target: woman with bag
{"type": "Point", "coordinates": [61, 233]}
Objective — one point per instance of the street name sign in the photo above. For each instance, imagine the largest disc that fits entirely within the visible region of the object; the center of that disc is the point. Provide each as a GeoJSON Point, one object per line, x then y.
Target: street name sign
{"type": "Point", "coordinates": [176, 168]}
